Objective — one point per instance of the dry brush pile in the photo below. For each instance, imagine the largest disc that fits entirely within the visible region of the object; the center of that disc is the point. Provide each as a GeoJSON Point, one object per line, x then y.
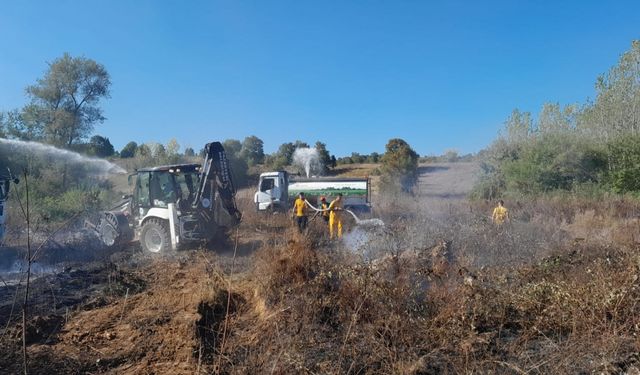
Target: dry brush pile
{"type": "Point", "coordinates": [438, 290]}
{"type": "Point", "coordinates": [449, 294]}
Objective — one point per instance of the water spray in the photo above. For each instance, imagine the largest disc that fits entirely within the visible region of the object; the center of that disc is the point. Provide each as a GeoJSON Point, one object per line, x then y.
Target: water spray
{"type": "Point", "coordinates": [104, 166]}
{"type": "Point", "coordinates": [307, 158]}
{"type": "Point", "coordinates": [366, 222]}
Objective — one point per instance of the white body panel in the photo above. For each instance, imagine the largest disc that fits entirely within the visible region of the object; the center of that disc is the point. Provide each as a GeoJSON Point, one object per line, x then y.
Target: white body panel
{"type": "Point", "coordinates": [173, 219]}
{"type": "Point", "coordinates": [274, 189]}
{"type": "Point", "coordinates": [161, 213]}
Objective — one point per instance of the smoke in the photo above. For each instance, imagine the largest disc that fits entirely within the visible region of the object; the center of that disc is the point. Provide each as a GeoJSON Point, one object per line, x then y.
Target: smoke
{"type": "Point", "coordinates": [365, 236]}
{"type": "Point", "coordinates": [100, 165]}
{"type": "Point", "coordinates": [369, 241]}
{"type": "Point", "coordinates": [307, 158]}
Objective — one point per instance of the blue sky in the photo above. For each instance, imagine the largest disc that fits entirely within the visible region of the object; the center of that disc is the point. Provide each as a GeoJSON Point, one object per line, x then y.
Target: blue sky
{"type": "Point", "coordinates": [440, 74]}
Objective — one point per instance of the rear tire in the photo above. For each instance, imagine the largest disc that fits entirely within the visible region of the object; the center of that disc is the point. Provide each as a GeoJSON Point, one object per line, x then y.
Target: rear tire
{"type": "Point", "coordinates": [109, 230]}
{"type": "Point", "coordinates": [155, 237]}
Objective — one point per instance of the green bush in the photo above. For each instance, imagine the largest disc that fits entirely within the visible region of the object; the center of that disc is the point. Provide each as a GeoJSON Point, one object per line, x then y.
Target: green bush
{"type": "Point", "coordinates": [68, 204]}
{"type": "Point", "coordinates": [548, 162]}
{"type": "Point", "coordinates": [624, 164]}
{"type": "Point", "coordinates": [554, 162]}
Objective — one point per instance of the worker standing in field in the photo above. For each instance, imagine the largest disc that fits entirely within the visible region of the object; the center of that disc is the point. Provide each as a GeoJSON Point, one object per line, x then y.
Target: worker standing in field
{"type": "Point", "coordinates": [300, 212]}
{"type": "Point", "coordinates": [335, 217]}
{"type": "Point", "coordinates": [324, 206]}
{"type": "Point", "coordinates": [500, 214]}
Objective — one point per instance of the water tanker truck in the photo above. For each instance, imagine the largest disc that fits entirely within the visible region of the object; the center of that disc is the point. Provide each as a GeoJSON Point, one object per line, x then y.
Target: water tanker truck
{"type": "Point", "coordinates": [277, 191]}
{"type": "Point", "coordinates": [174, 204]}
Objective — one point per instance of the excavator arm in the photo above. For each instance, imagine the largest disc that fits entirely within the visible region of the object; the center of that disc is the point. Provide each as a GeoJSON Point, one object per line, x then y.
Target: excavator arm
{"type": "Point", "coordinates": [216, 193]}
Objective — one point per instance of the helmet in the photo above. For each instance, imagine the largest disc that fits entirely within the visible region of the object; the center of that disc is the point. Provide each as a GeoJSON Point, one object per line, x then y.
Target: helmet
{"type": "Point", "coordinates": [322, 198]}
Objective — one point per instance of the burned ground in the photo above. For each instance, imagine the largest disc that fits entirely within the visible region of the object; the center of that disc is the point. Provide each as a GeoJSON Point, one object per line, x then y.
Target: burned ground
{"type": "Point", "coordinates": [438, 290]}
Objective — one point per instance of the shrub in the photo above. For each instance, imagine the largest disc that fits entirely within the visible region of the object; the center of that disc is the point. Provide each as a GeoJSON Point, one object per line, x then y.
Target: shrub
{"type": "Point", "coordinates": [399, 166]}
{"type": "Point", "coordinates": [624, 164]}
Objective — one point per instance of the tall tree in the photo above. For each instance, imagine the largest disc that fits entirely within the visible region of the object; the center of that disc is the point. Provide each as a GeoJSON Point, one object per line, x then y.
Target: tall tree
{"type": "Point", "coordinates": [334, 161]}
{"type": "Point", "coordinates": [13, 125]}
{"type": "Point", "coordinates": [173, 147]}
{"type": "Point", "coordinates": [144, 151]}
{"type": "Point", "coordinates": [101, 146]}
{"type": "Point", "coordinates": [616, 110]}
{"type": "Point", "coordinates": [238, 165]}
{"type": "Point", "coordinates": [129, 150]}
{"type": "Point", "coordinates": [324, 156]}
{"type": "Point", "coordinates": [282, 157]}
{"type": "Point", "coordinates": [189, 152]}
{"type": "Point", "coordinates": [399, 166]}
{"type": "Point", "coordinates": [232, 147]}
{"type": "Point", "coordinates": [253, 150]}
{"type": "Point", "coordinates": [518, 127]}
{"type": "Point", "coordinates": [554, 119]}
{"type": "Point", "coordinates": [64, 103]}
{"type": "Point", "coordinates": [299, 144]}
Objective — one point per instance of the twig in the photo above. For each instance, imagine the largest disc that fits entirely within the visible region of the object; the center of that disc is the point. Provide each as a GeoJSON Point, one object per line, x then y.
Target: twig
{"type": "Point", "coordinates": [26, 293]}
{"type": "Point", "coordinates": [4, 282]}
{"type": "Point", "coordinates": [124, 305]}
{"type": "Point", "coordinates": [52, 234]}
{"type": "Point", "coordinates": [511, 366]}
{"type": "Point", "coordinates": [199, 357]}
{"type": "Point", "coordinates": [15, 301]}
{"type": "Point", "coordinates": [97, 350]}
{"type": "Point", "coordinates": [226, 316]}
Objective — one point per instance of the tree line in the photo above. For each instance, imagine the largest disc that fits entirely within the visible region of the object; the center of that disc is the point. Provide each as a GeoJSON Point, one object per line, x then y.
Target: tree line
{"type": "Point", "coordinates": [589, 148]}
{"type": "Point", "coordinates": [64, 106]}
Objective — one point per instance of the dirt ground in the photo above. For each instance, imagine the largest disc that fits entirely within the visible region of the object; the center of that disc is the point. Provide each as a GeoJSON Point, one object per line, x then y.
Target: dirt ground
{"type": "Point", "coordinates": [132, 314]}
{"type": "Point", "coordinates": [447, 181]}
{"type": "Point", "coordinates": [269, 299]}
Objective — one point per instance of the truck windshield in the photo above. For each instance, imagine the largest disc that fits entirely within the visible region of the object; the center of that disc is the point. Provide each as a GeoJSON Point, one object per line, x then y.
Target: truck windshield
{"type": "Point", "coordinates": [266, 184]}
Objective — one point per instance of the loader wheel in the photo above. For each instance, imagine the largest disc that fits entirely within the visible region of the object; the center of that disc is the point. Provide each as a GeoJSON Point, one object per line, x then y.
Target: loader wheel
{"type": "Point", "coordinates": [107, 230]}
{"type": "Point", "coordinates": [154, 236]}
{"type": "Point", "coordinates": [113, 229]}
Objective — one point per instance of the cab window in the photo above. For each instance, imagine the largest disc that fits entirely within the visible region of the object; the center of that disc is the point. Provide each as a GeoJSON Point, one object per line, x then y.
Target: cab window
{"type": "Point", "coordinates": [141, 195]}
{"type": "Point", "coordinates": [266, 184]}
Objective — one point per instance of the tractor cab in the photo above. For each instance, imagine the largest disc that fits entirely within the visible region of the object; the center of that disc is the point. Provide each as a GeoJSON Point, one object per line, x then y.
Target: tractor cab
{"type": "Point", "coordinates": [157, 187]}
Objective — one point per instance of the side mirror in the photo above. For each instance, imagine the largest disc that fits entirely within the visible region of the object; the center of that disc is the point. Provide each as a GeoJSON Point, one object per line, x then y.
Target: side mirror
{"type": "Point", "coordinates": [127, 196]}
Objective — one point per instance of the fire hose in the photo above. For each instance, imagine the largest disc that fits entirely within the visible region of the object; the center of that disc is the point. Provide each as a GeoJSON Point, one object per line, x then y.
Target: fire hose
{"type": "Point", "coordinates": [366, 222]}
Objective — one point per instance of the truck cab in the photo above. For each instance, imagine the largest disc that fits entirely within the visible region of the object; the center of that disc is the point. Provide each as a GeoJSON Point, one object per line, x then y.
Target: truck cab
{"type": "Point", "coordinates": [273, 191]}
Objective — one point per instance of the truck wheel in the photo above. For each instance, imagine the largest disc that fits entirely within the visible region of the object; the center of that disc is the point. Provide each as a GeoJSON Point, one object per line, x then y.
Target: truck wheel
{"type": "Point", "coordinates": [154, 236]}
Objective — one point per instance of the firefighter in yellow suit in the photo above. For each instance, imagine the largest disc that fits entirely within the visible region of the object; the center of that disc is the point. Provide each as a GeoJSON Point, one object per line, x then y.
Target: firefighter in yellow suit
{"type": "Point", "coordinates": [335, 216]}
{"type": "Point", "coordinates": [300, 212]}
{"type": "Point", "coordinates": [324, 206]}
{"type": "Point", "coordinates": [500, 213]}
